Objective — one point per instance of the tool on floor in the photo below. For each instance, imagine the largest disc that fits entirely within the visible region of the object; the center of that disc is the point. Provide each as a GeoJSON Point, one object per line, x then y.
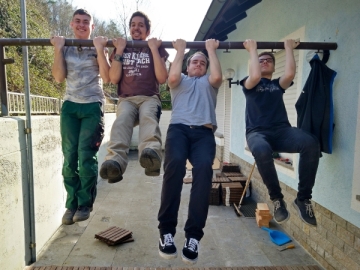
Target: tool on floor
{"type": "Point", "coordinates": [237, 208]}
{"type": "Point", "coordinates": [287, 247]}
{"type": "Point", "coordinates": [277, 237]}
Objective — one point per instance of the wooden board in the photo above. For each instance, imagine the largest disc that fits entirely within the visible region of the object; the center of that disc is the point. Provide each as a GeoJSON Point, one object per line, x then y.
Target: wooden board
{"type": "Point", "coordinates": [215, 166]}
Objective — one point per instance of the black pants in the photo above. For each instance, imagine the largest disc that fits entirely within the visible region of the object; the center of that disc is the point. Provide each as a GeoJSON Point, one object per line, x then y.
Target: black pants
{"type": "Point", "coordinates": [197, 145]}
{"type": "Point", "coordinates": [263, 143]}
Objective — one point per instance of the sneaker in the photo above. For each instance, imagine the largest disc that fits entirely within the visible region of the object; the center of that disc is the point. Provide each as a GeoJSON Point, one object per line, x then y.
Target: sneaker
{"type": "Point", "coordinates": [111, 170]}
{"type": "Point", "coordinates": [67, 218]}
{"type": "Point", "coordinates": [151, 172]}
{"type": "Point", "coordinates": [150, 159]}
{"type": "Point", "coordinates": [167, 248]}
{"type": "Point", "coordinates": [281, 214]}
{"type": "Point", "coordinates": [190, 250]}
{"type": "Point", "coordinates": [82, 213]}
{"type": "Point", "coordinates": [306, 211]}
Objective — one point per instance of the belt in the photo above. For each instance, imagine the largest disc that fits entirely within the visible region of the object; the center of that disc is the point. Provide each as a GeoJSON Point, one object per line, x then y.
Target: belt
{"type": "Point", "coordinates": [199, 127]}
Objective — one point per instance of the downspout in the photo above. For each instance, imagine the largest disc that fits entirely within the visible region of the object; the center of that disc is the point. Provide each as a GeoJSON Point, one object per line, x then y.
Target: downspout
{"type": "Point", "coordinates": [28, 183]}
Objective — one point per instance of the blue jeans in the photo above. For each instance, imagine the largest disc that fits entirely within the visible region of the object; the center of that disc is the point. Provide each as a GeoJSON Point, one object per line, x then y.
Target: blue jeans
{"type": "Point", "coordinates": [197, 145]}
{"type": "Point", "coordinates": [264, 142]}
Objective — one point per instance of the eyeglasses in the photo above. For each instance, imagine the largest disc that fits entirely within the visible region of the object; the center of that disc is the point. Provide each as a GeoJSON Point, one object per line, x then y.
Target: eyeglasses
{"type": "Point", "coordinates": [268, 60]}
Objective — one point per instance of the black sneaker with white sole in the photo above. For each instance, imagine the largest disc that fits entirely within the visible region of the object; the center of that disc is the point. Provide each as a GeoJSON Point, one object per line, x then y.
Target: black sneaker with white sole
{"type": "Point", "coordinates": [190, 250]}
{"type": "Point", "coordinates": [167, 248]}
{"type": "Point", "coordinates": [281, 214]}
{"type": "Point", "coordinates": [306, 211]}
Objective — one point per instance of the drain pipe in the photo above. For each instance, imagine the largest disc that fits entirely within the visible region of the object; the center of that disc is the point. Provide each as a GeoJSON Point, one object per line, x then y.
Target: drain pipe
{"type": "Point", "coordinates": [28, 183]}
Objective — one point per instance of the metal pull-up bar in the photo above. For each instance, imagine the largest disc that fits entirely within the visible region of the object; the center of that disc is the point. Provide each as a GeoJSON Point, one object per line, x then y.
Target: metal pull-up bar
{"type": "Point", "coordinates": [227, 45]}
{"type": "Point", "coordinates": [168, 44]}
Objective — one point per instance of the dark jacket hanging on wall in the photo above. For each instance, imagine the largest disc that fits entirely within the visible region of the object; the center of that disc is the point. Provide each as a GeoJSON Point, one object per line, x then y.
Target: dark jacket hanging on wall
{"type": "Point", "coordinates": [315, 105]}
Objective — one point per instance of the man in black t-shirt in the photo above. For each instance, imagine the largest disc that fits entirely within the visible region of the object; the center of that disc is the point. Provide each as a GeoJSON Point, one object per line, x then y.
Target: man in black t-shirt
{"type": "Point", "coordinates": [268, 130]}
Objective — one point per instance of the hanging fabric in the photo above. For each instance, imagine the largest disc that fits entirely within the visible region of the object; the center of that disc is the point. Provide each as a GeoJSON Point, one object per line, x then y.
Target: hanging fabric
{"type": "Point", "coordinates": [314, 106]}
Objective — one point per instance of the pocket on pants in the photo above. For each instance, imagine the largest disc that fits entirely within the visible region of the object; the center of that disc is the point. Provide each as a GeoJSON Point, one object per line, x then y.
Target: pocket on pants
{"type": "Point", "coordinates": [158, 113]}
{"type": "Point", "coordinates": [98, 136]}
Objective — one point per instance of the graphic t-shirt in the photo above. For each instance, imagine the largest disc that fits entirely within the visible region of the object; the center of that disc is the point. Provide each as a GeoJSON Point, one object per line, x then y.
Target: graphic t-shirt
{"type": "Point", "coordinates": [265, 106]}
{"type": "Point", "coordinates": [138, 76]}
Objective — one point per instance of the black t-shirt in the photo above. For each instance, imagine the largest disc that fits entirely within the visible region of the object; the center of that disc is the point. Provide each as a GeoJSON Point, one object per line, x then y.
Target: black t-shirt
{"type": "Point", "coordinates": [265, 106]}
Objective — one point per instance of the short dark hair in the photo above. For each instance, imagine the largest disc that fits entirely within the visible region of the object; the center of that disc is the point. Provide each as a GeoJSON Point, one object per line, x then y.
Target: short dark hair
{"type": "Point", "coordinates": [82, 11]}
{"type": "Point", "coordinates": [146, 19]}
{"type": "Point", "coordinates": [201, 53]}
{"type": "Point", "coordinates": [269, 54]}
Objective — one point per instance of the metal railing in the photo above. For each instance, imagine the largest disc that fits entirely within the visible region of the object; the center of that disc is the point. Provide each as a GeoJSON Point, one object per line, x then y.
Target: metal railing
{"type": "Point", "coordinates": [39, 104]}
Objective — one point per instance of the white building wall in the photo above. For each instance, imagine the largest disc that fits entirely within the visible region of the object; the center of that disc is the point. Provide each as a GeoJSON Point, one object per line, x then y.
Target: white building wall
{"type": "Point", "coordinates": [322, 21]}
{"type": "Point", "coordinates": [48, 186]}
{"type": "Point", "coordinates": [50, 194]}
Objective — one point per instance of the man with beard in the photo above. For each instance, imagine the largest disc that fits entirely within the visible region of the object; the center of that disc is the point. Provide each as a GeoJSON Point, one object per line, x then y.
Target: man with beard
{"type": "Point", "coordinates": [138, 73]}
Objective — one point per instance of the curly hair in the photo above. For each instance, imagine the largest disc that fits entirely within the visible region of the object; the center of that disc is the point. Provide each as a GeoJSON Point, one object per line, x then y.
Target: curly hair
{"type": "Point", "coordinates": [146, 19]}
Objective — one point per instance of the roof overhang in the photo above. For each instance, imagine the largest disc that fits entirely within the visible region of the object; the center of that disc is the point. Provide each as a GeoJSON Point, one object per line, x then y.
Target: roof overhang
{"type": "Point", "coordinates": [220, 20]}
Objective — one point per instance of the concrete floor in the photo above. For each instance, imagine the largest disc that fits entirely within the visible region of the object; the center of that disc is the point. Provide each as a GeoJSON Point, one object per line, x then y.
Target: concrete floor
{"type": "Point", "coordinates": [133, 203]}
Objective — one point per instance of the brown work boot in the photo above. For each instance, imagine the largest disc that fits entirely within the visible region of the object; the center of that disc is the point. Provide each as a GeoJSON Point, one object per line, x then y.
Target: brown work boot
{"type": "Point", "coordinates": [151, 161]}
{"type": "Point", "coordinates": [152, 172]}
{"type": "Point", "coordinates": [111, 171]}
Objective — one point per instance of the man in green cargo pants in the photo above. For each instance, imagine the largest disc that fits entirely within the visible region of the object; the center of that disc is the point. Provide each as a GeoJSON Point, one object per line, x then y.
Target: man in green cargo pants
{"type": "Point", "coordinates": [81, 119]}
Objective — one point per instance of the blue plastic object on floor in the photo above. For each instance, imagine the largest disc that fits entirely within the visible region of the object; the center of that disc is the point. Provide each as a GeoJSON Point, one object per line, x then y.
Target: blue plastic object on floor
{"type": "Point", "coordinates": [277, 237]}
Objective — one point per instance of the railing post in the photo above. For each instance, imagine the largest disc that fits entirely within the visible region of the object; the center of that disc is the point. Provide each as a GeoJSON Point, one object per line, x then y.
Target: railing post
{"type": "Point", "coordinates": [3, 84]}
{"type": "Point", "coordinates": [59, 106]}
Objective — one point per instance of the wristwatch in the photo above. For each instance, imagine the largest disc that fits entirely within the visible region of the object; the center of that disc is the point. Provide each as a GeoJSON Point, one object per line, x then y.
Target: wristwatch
{"type": "Point", "coordinates": [119, 58]}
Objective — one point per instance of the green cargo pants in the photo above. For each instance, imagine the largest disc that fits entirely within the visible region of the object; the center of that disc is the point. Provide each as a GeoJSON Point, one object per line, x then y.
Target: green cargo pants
{"type": "Point", "coordinates": [82, 130]}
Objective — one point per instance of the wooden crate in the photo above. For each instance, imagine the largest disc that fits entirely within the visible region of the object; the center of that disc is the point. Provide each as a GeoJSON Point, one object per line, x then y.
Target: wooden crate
{"type": "Point", "coordinates": [231, 192]}
{"type": "Point", "coordinates": [230, 167]}
{"type": "Point", "coordinates": [215, 194]}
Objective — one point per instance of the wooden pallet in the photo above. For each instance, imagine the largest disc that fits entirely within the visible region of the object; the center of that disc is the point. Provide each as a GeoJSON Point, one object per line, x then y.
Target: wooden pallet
{"type": "Point", "coordinates": [230, 167]}
{"type": "Point", "coordinates": [187, 180]}
{"type": "Point", "coordinates": [214, 198]}
{"type": "Point", "coordinates": [237, 179]}
{"type": "Point", "coordinates": [286, 267]}
{"type": "Point", "coordinates": [221, 179]}
{"type": "Point", "coordinates": [115, 235]}
{"type": "Point", "coordinates": [233, 174]}
{"type": "Point", "coordinates": [231, 192]}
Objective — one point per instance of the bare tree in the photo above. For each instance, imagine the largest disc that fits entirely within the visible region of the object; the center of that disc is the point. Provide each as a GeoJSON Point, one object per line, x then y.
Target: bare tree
{"type": "Point", "coordinates": [60, 17]}
{"type": "Point", "coordinates": [125, 9]}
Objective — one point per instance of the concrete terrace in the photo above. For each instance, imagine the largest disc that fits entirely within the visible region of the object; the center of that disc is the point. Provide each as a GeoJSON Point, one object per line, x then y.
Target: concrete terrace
{"type": "Point", "coordinates": [132, 204]}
